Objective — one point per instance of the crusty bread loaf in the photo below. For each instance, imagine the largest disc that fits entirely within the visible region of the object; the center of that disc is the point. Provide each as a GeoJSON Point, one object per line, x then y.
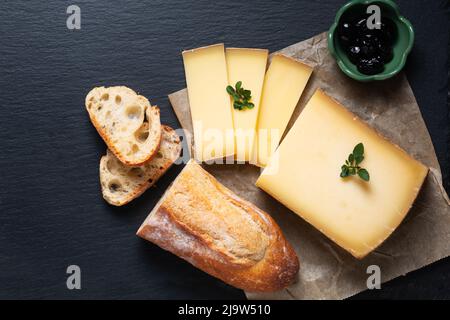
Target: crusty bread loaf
{"type": "Point", "coordinates": [121, 184]}
{"type": "Point", "coordinates": [130, 127]}
{"type": "Point", "coordinates": [206, 224]}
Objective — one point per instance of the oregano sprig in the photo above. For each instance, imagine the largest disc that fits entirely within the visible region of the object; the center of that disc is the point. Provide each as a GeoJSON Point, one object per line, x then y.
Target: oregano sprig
{"type": "Point", "coordinates": [351, 166]}
{"type": "Point", "coordinates": [241, 97]}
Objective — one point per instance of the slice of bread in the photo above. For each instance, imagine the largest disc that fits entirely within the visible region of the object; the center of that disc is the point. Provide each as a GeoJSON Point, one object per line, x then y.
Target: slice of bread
{"type": "Point", "coordinates": [127, 122]}
{"type": "Point", "coordinates": [121, 184]}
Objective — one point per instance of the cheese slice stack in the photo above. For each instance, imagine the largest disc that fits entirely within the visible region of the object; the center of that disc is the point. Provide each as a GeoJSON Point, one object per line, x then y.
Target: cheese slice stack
{"type": "Point", "coordinates": [248, 66]}
{"type": "Point", "coordinates": [207, 79]}
{"type": "Point", "coordinates": [284, 83]}
{"type": "Point", "coordinates": [304, 175]}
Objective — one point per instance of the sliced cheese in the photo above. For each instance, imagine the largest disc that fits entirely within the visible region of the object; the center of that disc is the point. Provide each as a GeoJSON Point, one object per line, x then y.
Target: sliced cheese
{"type": "Point", "coordinates": [206, 78]}
{"type": "Point", "coordinates": [304, 175]}
{"type": "Point", "coordinates": [284, 83]}
{"type": "Point", "coordinates": [248, 66]}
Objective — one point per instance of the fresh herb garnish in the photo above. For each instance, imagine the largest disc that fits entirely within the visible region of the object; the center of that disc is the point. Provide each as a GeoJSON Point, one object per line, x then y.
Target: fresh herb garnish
{"type": "Point", "coordinates": [241, 97]}
{"type": "Point", "coordinates": [351, 166]}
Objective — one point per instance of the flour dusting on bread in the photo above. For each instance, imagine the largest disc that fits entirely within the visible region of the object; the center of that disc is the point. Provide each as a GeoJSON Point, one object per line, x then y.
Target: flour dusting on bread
{"type": "Point", "coordinates": [208, 225]}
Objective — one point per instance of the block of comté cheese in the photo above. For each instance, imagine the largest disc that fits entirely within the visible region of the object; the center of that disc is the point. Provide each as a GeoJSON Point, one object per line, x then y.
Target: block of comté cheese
{"type": "Point", "coordinates": [207, 79]}
{"type": "Point", "coordinates": [249, 67]}
{"type": "Point", "coordinates": [304, 175]}
{"type": "Point", "coordinates": [284, 83]}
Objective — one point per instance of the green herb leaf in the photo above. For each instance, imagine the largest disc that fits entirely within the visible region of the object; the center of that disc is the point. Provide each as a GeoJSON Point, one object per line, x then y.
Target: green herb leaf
{"type": "Point", "coordinates": [241, 97]}
{"type": "Point", "coordinates": [359, 159]}
{"type": "Point", "coordinates": [344, 171]}
{"type": "Point", "coordinates": [230, 90]}
{"type": "Point", "coordinates": [358, 150]}
{"type": "Point", "coordinates": [237, 105]}
{"type": "Point", "coordinates": [351, 158]}
{"type": "Point", "coordinates": [351, 166]}
{"type": "Point", "coordinates": [363, 174]}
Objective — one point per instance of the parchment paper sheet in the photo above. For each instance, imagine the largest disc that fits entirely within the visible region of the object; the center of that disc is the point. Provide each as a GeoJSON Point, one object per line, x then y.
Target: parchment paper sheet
{"type": "Point", "coordinates": [326, 270]}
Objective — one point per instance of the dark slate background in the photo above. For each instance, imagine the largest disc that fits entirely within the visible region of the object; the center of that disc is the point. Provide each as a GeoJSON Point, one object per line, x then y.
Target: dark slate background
{"type": "Point", "coordinates": [51, 211]}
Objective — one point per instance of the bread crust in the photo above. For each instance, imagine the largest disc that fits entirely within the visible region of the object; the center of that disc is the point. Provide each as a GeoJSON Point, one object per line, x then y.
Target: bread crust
{"type": "Point", "coordinates": [151, 112]}
{"type": "Point", "coordinates": [117, 152]}
{"type": "Point", "coordinates": [270, 265]}
{"type": "Point", "coordinates": [136, 192]}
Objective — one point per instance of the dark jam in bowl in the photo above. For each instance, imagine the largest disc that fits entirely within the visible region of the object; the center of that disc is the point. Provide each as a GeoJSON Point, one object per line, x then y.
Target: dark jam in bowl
{"type": "Point", "coordinates": [369, 49]}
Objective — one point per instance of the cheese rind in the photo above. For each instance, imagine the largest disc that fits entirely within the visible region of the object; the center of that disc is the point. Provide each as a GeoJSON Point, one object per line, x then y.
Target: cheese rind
{"type": "Point", "coordinates": [284, 83]}
{"type": "Point", "coordinates": [207, 79]}
{"type": "Point", "coordinates": [248, 66]}
{"type": "Point", "coordinates": [355, 214]}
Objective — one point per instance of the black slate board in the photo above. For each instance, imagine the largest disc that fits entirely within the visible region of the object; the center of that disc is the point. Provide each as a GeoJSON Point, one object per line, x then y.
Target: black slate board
{"type": "Point", "coordinates": [51, 211]}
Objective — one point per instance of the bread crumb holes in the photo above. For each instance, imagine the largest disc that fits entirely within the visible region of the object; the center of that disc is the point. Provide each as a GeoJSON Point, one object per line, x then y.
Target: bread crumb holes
{"type": "Point", "coordinates": [133, 112]}
{"type": "Point", "coordinates": [115, 186]}
{"type": "Point", "coordinates": [110, 165]}
{"type": "Point", "coordinates": [134, 148]}
{"type": "Point", "coordinates": [136, 172]}
{"type": "Point", "coordinates": [141, 135]}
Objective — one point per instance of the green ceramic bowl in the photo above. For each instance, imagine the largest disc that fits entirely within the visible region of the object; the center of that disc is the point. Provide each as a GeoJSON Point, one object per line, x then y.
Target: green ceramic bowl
{"type": "Point", "coordinates": [401, 47]}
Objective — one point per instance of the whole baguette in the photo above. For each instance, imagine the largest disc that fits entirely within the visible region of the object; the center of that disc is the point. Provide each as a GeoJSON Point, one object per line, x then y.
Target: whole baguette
{"type": "Point", "coordinates": [203, 222]}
